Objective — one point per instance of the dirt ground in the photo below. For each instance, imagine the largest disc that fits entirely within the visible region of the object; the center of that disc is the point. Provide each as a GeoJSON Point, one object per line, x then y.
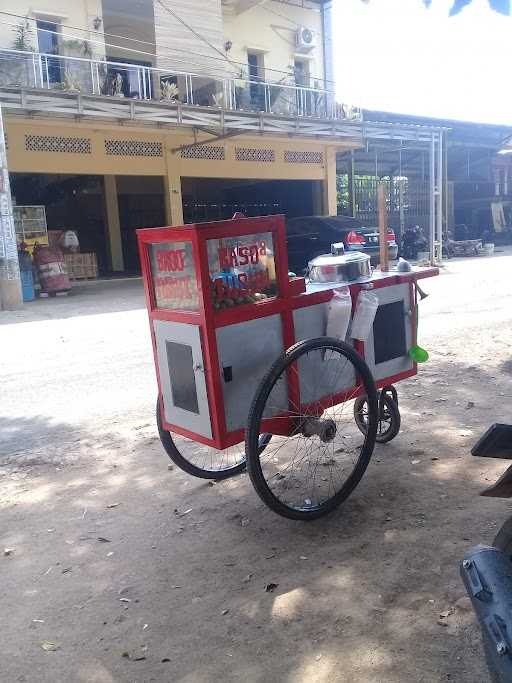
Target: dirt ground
{"type": "Point", "coordinates": [107, 578]}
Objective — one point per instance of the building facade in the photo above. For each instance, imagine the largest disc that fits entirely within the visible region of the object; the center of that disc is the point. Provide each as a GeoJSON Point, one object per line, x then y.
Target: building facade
{"type": "Point", "coordinates": [150, 112]}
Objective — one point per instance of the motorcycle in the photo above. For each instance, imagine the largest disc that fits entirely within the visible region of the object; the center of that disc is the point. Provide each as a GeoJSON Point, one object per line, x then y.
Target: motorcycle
{"type": "Point", "coordinates": [413, 241]}
{"type": "Point", "coordinates": [487, 570]}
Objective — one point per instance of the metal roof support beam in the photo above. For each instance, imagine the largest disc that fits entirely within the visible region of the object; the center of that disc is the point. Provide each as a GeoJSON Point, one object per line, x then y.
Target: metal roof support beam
{"type": "Point", "coordinates": [432, 197]}
{"type": "Point", "coordinates": [439, 198]}
{"type": "Point", "coordinates": [47, 102]}
{"type": "Point", "coordinates": [214, 138]}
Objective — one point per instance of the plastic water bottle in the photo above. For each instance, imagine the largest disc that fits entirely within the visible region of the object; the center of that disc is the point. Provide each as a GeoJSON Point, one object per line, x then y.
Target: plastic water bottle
{"type": "Point", "coordinates": [366, 309]}
{"type": "Point", "coordinates": [339, 311]}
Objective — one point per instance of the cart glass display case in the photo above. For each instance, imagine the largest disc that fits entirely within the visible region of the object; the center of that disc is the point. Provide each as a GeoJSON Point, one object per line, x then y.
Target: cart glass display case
{"type": "Point", "coordinates": [242, 269]}
{"type": "Point", "coordinates": [215, 297]}
{"type": "Point", "coordinates": [173, 276]}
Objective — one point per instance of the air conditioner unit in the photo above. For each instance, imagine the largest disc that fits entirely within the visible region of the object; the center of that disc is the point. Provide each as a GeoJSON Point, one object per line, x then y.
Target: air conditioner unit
{"type": "Point", "coordinates": [305, 39]}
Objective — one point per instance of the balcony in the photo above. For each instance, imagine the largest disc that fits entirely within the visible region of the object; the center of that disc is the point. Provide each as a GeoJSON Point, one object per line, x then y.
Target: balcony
{"type": "Point", "coordinates": [31, 72]}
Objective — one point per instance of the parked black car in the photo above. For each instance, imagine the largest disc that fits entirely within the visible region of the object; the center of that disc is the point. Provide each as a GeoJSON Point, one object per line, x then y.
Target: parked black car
{"type": "Point", "coordinates": [310, 236]}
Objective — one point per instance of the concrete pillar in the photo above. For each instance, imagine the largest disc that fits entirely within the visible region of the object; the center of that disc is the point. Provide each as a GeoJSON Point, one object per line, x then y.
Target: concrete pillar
{"type": "Point", "coordinates": [11, 297]}
{"type": "Point", "coordinates": [432, 200]}
{"type": "Point", "coordinates": [317, 197]}
{"type": "Point", "coordinates": [329, 190]}
{"type": "Point", "coordinates": [351, 185]}
{"type": "Point", "coordinates": [113, 224]}
{"type": "Point", "coordinates": [172, 189]}
{"type": "Point", "coordinates": [497, 181]}
{"type": "Point", "coordinates": [10, 284]}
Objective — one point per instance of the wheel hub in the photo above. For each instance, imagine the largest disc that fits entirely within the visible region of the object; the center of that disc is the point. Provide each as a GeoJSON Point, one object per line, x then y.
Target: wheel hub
{"type": "Point", "coordinates": [324, 429]}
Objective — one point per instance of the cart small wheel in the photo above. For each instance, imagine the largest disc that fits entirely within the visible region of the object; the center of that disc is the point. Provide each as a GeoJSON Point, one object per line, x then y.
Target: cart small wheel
{"type": "Point", "coordinates": [389, 417]}
{"type": "Point", "coordinates": [202, 461]}
{"type": "Point", "coordinates": [316, 456]}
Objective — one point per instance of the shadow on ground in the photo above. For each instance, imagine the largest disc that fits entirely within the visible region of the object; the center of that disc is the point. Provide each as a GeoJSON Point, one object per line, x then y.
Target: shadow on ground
{"type": "Point", "coordinates": [138, 572]}
{"type": "Point", "coordinates": [91, 299]}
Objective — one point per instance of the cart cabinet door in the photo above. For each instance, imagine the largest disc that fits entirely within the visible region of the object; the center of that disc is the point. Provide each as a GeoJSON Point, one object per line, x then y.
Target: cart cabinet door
{"type": "Point", "coordinates": [387, 349]}
{"type": "Point", "coordinates": [310, 322]}
{"type": "Point", "coordinates": [182, 376]}
{"type": "Point", "coordinates": [246, 352]}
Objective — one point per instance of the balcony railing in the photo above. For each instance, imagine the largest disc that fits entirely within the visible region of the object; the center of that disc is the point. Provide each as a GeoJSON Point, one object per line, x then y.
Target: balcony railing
{"type": "Point", "coordinates": [122, 80]}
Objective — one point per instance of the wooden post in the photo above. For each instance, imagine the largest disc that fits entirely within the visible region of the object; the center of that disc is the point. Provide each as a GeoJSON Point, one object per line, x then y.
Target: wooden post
{"type": "Point", "coordinates": [113, 223]}
{"type": "Point", "coordinates": [383, 227]}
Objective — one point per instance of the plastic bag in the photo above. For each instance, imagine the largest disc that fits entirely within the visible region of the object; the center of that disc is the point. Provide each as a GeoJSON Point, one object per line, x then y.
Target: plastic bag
{"type": "Point", "coordinates": [366, 309]}
{"type": "Point", "coordinates": [339, 311]}
{"type": "Point", "coordinates": [70, 242]}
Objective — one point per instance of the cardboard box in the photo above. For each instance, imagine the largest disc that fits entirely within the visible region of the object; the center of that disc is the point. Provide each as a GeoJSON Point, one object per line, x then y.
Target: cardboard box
{"type": "Point", "coordinates": [81, 266]}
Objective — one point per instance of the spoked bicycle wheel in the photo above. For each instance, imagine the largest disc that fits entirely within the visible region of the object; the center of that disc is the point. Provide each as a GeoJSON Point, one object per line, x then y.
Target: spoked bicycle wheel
{"type": "Point", "coordinates": [199, 460]}
{"type": "Point", "coordinates": [314, 467]}
{"type": "Point", "coordinates": [389, 417]}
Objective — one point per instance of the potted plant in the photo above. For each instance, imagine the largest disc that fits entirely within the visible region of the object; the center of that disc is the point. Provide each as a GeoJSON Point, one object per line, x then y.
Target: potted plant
{"type": "Point", "coordinates": [68, 84]}
{"type": "Point", "coordinates": [23, 36]}
{"type": "Point", "coordinates": [169, 91]}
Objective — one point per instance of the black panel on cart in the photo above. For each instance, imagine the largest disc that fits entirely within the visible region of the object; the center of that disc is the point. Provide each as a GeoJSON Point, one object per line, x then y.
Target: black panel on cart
{"type": "Point", "coordinates": [389, 332]}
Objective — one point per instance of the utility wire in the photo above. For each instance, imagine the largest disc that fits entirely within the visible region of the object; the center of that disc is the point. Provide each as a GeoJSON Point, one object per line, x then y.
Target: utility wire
{"type": "Point", "coordinates": [265, 7]}
{"type": "Point", "coordinates": [103, 43]}
{"type": "Point", "coordinates": [126, 49]}
{"type": "Point", "coordinates": [192, 30]}
{"type": "Point", "coordinates": [131, 40]}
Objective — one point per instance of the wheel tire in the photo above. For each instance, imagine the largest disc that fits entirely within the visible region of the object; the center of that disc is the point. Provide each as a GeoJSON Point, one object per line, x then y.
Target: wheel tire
{"type": "Point", "coordinates": [490, 656]}
{"type": "Point", "coordinates": [392, 408]}
{"type": "Point", "coordinates": [254, 467]}
{"type": "Point", "coordinates": [502, 541]}
{"type": "Point", "coordinates": [184, 464]}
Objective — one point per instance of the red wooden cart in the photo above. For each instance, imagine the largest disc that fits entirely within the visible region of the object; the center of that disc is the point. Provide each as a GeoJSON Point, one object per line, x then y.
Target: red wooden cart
{"type": "Point", "coordinates": [241, 355]}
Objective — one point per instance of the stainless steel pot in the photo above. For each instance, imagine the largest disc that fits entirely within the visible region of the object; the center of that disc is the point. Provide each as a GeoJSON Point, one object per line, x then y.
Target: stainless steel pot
{"type": "Point", "coordinates": [343, 268]}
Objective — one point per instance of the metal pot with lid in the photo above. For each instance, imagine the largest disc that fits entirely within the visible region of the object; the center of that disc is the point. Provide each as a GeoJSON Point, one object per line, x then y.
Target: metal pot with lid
{"type": "Point", "coordinates": [338, 267]}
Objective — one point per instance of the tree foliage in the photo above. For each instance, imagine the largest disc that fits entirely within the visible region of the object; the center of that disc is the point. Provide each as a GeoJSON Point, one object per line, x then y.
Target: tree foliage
{"type": "Point", "coordinates": [501, 6]}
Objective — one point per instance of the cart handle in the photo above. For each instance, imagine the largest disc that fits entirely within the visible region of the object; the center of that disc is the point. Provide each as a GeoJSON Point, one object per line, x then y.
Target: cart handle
{"type": "Point", "coordinates": [421, 292]}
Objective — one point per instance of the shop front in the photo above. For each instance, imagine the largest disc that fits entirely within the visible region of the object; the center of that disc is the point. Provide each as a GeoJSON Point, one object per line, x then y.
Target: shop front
{"type": "Point", "coordinates": [111, 182]}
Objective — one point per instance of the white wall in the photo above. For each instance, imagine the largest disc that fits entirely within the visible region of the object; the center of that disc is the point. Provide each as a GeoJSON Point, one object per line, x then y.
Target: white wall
{"type": "Point", "coordinates": [179, 48]}
{"type": "Point", "coordinates": [329, 44]}
{"type": "Point", "coordinates": [271, 26]}
{"type": "Point", "coordinates": [134, 20]}
{"type": "Point", "coordinates": [79, 13]}
{"type": "Point", "coordinates": [268, 26]}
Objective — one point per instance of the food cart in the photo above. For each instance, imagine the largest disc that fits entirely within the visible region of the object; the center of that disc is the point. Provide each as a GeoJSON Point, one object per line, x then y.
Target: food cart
{"type": "Point", "coordinates": [246, 375]}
